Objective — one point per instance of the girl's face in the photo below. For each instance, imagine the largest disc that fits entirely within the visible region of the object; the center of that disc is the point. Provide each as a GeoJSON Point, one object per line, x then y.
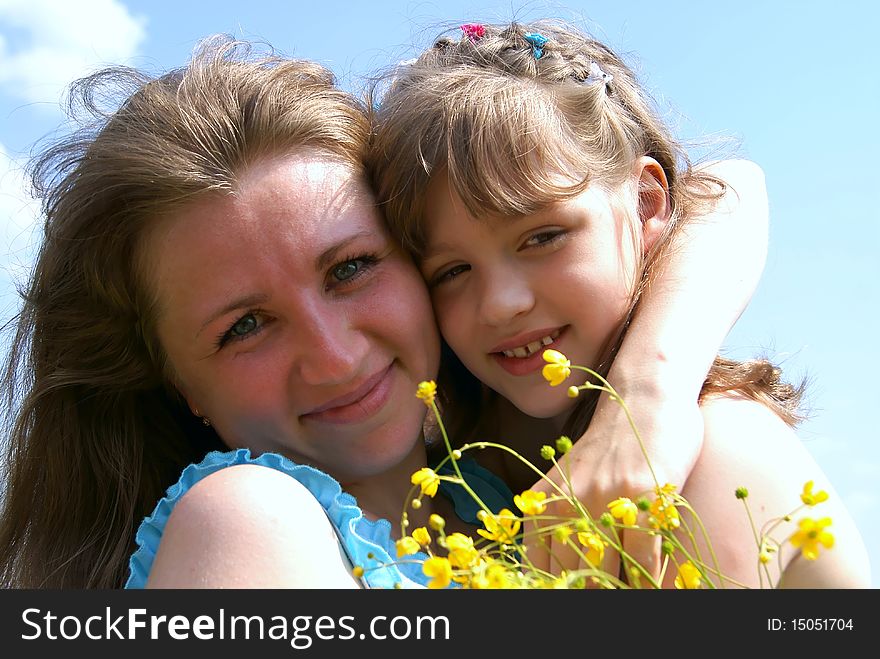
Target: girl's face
{"type": "Point", "coordinates": [293, 321]}
{"type": "Point", "coordinates": [505, 289]}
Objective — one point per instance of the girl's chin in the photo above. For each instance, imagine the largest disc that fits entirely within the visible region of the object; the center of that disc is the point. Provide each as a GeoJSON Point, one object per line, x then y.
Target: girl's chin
{"type": "Point", "coordinates": [545, 409]}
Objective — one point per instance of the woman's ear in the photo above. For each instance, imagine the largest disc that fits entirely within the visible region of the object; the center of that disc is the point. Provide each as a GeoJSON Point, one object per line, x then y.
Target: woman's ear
{"type": "Point", "coordinates": [653, 199]}
{"type": "Point", "coordinates": [189, 401]}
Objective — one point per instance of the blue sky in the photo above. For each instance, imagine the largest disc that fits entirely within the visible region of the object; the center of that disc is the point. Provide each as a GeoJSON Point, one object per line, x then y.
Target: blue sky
{"type": "Point", "coordinates": [795, 84]}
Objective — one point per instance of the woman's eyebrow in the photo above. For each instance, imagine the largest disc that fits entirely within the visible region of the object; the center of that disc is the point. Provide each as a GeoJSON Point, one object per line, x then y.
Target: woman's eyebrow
{"type": "Point", "coordinates": [244, 302]}
{"type": "Point", "coordinates": [329, 255]}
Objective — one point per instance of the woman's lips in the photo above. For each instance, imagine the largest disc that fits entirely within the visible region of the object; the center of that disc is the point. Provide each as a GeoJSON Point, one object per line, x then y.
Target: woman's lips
{"type": "Point", "coordinates": [360, 404]}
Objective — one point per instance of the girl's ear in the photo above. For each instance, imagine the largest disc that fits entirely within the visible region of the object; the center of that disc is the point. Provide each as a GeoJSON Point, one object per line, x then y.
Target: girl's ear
{"type": "Point", "coordinates": [653, 195]}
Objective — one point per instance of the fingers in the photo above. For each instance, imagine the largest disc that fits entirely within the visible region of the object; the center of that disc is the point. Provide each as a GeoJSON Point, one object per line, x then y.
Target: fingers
{"type": "Point", "coordinates": [642, 549]}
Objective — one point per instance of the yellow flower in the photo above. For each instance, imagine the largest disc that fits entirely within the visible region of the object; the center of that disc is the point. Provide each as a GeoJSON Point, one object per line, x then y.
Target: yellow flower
{"type": "Point", "coordinates": [436, 522]}
{"type": "Point", "coordinates": [595, 547]}
{"type": "Point", "coordinates": [440, 571]}
{"type": "Point", "coordinates": [810, 498]}
{"type": "Point", "coordinates": [531, 502]}
{"type": "Point", "coordinates": [624, 510]}
{"type": "Point", "coordinates": [462, 553]}
{"type": "Point", "coordinates": [689, 577]}
{"type": "Point", "coordinates": [664, 514]}
{"type": "Point", "coordinates": [426, 391]}
{"type": "Point", "coordinates": [427, 479]}
{"type": "Point", "coordinates": [502, 527]}
{"type": "Point", "coordinates": [557, 369]}
{"type": "Point", "coordinates": [562, 534]}
{"type": "Point", "coordinates": [810, 535]}
{"type": "Point", "coordinates": [406, 546]}
{"type": "Point", "coordinates": [422, 536]}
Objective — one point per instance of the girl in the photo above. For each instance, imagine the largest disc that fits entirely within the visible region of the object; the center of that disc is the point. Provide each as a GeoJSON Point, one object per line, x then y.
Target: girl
{"type": "Point", "coordinates": [527, 171]}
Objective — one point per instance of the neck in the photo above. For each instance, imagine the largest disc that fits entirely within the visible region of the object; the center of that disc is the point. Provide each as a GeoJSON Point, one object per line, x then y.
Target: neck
{"type": "Point", "coordinates": [525, 435]}
{"type": "Point", "coordinates": [384, 496]}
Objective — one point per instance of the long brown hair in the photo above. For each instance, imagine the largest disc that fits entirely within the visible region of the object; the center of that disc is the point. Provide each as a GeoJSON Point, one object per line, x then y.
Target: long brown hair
{"type": "Point", "coordinates": [514, 133]}
{"type": "Point", "coordinates": [96, 433]}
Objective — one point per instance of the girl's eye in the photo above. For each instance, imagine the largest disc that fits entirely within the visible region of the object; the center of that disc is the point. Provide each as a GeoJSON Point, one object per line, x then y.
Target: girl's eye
{"type": "Point", "coordinates": [446, 276]}
{"type": "Point", "coordinates": [542, 238]}
{"type": "Point", "coordinates": [246, 326]}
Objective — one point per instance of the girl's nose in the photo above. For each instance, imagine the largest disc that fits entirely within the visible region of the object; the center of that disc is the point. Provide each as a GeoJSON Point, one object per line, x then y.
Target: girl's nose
{"type": "Point", "coordinates": [505, 294]}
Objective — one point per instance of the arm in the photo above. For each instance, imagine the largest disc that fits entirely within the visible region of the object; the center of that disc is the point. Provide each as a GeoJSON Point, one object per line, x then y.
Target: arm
{"type": "Point", "coordinates": [249, 527]}
{"type": "Point", "coordinates": [713, 269]}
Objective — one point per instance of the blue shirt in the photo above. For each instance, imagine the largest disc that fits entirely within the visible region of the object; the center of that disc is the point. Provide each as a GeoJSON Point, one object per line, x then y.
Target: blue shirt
{"type": "Point", "coordinates": [368, 543]}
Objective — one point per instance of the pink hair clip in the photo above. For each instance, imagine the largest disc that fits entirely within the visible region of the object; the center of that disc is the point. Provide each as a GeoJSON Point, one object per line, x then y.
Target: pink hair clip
{"type": "Point", "coordinates": [473, 31]}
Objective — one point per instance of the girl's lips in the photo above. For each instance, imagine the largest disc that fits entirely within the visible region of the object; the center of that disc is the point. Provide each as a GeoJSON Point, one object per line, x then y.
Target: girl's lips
{"type": "Point", "coordinates": [526, 365]}
{"type": "Point", "coordinates": [359, 405]}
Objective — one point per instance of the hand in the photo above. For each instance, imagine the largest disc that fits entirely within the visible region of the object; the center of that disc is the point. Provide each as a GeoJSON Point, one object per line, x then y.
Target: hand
{"type": "Point", "coordinates": [607, 462]}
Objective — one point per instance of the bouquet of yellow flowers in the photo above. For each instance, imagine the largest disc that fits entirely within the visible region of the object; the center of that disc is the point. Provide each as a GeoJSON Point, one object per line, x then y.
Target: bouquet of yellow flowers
{"type": "Point", "coordinates": [499, 556]}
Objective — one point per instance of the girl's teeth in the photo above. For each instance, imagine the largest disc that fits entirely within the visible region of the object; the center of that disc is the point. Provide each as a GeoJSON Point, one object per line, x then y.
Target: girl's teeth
{"type": "Point", "coordinates": [531, 348]}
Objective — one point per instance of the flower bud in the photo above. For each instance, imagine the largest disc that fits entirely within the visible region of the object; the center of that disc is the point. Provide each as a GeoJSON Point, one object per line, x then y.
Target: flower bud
{"type": "Point", "coordinates": [563, 444]}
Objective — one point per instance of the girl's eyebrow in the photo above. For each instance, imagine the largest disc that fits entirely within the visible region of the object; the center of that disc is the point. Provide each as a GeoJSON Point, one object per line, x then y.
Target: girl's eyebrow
{"type": "Point", "coordinates": [434, 249]}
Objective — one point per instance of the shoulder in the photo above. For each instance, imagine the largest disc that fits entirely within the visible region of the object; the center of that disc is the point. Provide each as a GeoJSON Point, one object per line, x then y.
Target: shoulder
{"type": "Point", "coordinates": [246, 495]}
{"type": "Point", "coordinates": [249, 526]}
{"type": "Point", "coordinates": [746, 445]}
{"type": "Point", "coordinates": [727, 414]}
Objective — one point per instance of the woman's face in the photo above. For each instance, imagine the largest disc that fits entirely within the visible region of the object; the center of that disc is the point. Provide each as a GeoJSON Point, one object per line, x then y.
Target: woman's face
{"type": "Point", "coordinates": [505, 289]}
{"type": "Point", "coordinates": [292, 320]}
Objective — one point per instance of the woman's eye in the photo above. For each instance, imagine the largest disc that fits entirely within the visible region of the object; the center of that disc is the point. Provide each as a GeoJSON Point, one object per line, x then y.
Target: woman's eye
{"type": "Point", "coordinates": [241, 329]}
{"type": "Point", "coordinates": [244, 325]}
{"type": "Point", "coordinates": [345, 271]}
{"type": "Point", "coordinates": [349, 270]}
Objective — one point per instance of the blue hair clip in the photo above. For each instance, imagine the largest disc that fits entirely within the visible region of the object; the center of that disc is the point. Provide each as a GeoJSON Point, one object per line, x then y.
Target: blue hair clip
{"type": "Point", "coordinates": [537, 41]}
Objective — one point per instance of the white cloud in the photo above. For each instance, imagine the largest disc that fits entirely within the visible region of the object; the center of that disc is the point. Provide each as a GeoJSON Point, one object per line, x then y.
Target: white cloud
{"type": "Point", "coordinates": [19, 230]}
{"type": "Point", "coordinates": [45, 44]}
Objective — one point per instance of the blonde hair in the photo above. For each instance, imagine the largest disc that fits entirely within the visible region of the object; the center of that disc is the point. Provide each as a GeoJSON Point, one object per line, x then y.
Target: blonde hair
{"type": "Point", "coordinates": [515, 132]}
{"type": "Point", "coordinates": [97, 432]}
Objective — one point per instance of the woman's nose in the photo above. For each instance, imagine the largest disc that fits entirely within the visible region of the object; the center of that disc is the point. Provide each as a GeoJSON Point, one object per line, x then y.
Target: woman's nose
{"type": "Point", "coordinates": [330, 351]}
